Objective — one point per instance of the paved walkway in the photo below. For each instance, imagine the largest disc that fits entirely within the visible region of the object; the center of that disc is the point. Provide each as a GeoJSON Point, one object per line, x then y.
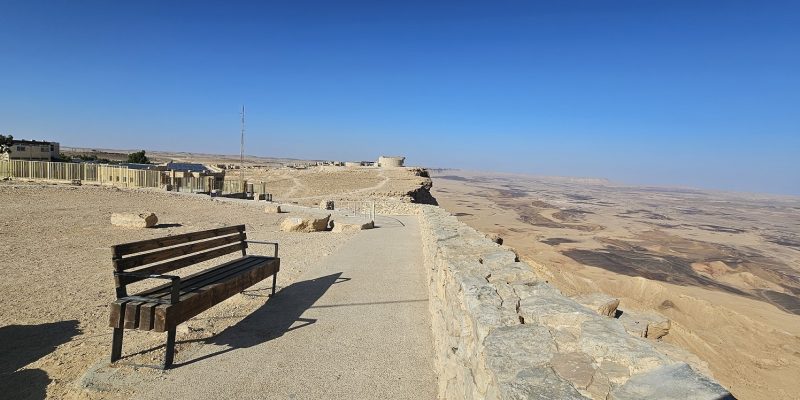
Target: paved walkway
{"type": "Point", "coordinates": [357, 326]}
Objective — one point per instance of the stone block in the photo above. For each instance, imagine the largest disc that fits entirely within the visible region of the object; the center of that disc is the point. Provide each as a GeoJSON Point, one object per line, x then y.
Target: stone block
{"type": "Point", "coordinates": [676, 381]}
{"type": "Point", "coordinates": [272, 209]}
{"type": "Point", "coordinates": [339, 227]}
{"type": "Point", "coordinates": [305, 224]}
{"type": "Point", "coordinates": [602, 303]}
{"type": "Point", "coordinates": [134, 220]}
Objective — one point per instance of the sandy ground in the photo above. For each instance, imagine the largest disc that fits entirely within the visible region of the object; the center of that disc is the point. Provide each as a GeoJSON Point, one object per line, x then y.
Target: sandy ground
{"type": "Point", "coordinates": [57, 279]}
{"type": "Point", "coordinates": [309, 186]}
{"type": "Point", "coordinates": [725, 268]}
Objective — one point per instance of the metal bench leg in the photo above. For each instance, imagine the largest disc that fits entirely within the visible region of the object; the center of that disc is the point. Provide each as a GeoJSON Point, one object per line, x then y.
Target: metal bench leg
{"type": "Point", "coordinates": [170, 355]}
{"type": "Point", "coordinates": [116, 344]}
{"type": "Point", "coordinates": [274, 283]}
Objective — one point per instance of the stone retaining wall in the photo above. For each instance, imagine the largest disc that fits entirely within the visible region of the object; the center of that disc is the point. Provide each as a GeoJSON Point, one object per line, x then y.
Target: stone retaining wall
{"type": "Point", "coordinates": [501, 333]}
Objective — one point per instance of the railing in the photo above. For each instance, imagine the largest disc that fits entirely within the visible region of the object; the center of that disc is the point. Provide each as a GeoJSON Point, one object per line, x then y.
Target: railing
{"type": "Point", "coordinates": [85, 172]}
{"type": "Point", "coordinates": [356, 208]}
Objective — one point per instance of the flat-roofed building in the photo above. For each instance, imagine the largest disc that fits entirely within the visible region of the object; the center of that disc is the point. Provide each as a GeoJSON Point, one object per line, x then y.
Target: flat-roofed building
{"type": "Point", "coordinates": [33, 150]}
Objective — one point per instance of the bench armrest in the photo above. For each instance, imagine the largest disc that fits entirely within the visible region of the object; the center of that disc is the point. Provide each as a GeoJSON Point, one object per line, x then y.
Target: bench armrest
{"type": "Point", "coordinates": [261, 242]}
{"type": "Point", "coordinates": [176, 282]}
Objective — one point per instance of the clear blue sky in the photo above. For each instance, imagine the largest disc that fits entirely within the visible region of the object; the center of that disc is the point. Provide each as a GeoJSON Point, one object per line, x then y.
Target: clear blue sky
{"type": "Point", "coordinates": [694, 93]}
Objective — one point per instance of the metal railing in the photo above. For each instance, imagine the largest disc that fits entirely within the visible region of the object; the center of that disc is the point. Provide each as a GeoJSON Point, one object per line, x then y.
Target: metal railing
{"type": "Point", "coordinates": [356, 208]}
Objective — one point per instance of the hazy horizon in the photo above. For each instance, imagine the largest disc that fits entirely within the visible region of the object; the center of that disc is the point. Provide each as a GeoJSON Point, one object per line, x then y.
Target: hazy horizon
{"type": "Point", "coordinates": [680, 94]}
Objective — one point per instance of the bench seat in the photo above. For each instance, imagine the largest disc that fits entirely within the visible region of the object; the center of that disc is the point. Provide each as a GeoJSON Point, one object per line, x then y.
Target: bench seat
{"type": "Point", "coordinates": [148, 310]}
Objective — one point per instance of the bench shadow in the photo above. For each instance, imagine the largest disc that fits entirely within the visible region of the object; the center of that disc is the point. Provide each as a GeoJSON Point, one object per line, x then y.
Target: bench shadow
{"type": "Point", "coordinates": [161, 226]}
{"type": "Point", "coordinates": [21, 345]}
{"type": "Point", "coordinates": [275, 318]}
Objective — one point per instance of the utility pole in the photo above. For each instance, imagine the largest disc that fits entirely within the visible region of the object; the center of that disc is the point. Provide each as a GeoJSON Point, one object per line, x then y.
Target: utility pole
{"type": "Point", "coordinates": [241, 156]}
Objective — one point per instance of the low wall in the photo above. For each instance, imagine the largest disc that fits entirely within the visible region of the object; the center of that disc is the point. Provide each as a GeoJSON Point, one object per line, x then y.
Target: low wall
{"type": "Point", "coordinates": [501, 333]}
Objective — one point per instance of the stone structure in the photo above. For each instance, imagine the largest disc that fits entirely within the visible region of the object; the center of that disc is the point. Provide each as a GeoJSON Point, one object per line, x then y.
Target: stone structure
{"type": "Point", "coordinates": [391, 161]}
{"type": "Point", "coordinates": [501, 333]}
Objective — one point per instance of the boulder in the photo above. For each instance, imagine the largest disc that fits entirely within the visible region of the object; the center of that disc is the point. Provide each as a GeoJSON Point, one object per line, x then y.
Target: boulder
{"type": "Point", "coordinates": [326, 205]}
{"type": "Point", "coordinates": [305, 224]}
{"type": "Point", "coordinates": [134, 220]}
{"type": "Point", "coordinates": [339, 227]}
{"type": "Point", "coordinates": [495, 238]}
{"type": "Point", "coordinates": [272, 209]}
{"type": "Point", "coordinates": [602, 303]}
{"type": "Point", "coordinates": [647, 325]}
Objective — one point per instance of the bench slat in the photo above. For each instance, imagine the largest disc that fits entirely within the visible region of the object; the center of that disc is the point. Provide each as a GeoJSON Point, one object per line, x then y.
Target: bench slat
{"type": "Point", "coordinates": [208, 277]}
{"type": "Point", "coordinates": [140, 260]}
{"type": "Point", "coordinates": [152, 244]}
{"type": "Point", "coordinates": [202, 278]}
{"type": "Point", "coordinates": [183, 262]}
{"type": "Point", "coordinates": [191, 304]}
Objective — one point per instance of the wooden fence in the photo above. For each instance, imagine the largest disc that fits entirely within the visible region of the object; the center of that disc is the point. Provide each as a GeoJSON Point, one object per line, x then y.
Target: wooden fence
{"type": "Point", "coordinates": [103, 174]}
{"type": "Point", "coordinates": [85, 172]}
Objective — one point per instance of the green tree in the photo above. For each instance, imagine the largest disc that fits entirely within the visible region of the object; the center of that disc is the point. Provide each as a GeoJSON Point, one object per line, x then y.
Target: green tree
{"type": "Point", "coordinates": [5, 143]}
{"type": "Point", "coordinates": [138, 158]}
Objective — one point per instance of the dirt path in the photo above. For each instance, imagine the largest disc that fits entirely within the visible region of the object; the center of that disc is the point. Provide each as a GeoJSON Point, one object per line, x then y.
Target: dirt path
{"type": "Point", "coordinates": [355, 326]}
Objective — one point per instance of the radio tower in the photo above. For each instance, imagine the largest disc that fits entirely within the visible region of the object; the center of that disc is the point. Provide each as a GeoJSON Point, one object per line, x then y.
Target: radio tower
{"type": "Point", "coordinates": [241, 156]}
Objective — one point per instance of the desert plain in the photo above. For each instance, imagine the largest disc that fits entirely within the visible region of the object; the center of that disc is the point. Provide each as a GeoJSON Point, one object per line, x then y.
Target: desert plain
{"type": "Point", "coordinates": [723, 267]}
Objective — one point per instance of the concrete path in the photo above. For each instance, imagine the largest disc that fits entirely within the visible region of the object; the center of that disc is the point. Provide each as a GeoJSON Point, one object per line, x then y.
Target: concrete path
{"type": "Point", "coordinates": [357, 326]}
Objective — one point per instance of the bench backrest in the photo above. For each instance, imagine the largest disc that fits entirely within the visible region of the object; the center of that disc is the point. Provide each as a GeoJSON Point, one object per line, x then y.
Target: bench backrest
{"type": "Point", "coordinates": [163, 255]}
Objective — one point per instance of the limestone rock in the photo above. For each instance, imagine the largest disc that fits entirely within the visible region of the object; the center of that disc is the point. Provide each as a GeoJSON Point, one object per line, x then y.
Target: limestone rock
{"type": "Point", "coordinates": [495, 238]}
{"type": "Point", "coordinates": [513, 273]}
{"type": "Point", "coordinates": [622, 354]}
{"type": "Point", "coordinates": [647, 325]}
{"type": "Point", "coordinates": [339, 227]}
{"type": "Point", "coordinates": [305, 224]}
{"type": "Point", "coordinates": [676, 381]}
{"type": "Point", "coordinates": [134, 220]}
{"type": "Point", "coordinates": [602, 303]}
{"type": "Point", "coordinates": [498, 258]}
{"type": "Point", "coordinates": [272, 209]}
{"type": "Point", "coordinates": [519, 357]}
{"type": "Point", "coordinates": [326, 204]}
{"type": "Point", "coordinates": [574, 367]}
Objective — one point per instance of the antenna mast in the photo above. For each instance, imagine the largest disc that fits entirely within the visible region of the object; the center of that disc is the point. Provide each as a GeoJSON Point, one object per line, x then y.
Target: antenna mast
{"type": "Point", "coordinates": [241, 156]}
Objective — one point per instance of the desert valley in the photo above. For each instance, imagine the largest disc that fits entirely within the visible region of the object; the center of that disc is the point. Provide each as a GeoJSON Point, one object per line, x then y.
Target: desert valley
{"type": "Point", "coordinates": [723, 267]}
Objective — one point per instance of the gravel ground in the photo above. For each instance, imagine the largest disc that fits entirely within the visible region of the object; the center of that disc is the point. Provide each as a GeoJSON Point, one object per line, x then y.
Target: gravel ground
{"type": "Point", "coordinates": [57, 282]}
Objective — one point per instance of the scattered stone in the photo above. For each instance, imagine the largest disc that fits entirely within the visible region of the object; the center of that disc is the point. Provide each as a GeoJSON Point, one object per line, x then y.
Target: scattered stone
{"type": "Point", "coordinates": [305, 224]}
{"type": "Point", "coordinates": [602, 303]}
{"type": "Point", "coordinates": [677, 381]}
{"type": "Point", "coordinates": [326, 205]}
{"type": "Point", "coordinates": [132, 220]}
{"type": "Point", "coordinates": [339, 227]}
{"type": "Point", "coordinates": [272, 209]}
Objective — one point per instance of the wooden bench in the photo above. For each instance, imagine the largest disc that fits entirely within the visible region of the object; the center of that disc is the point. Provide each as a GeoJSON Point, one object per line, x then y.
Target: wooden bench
{"type": "Point", "coordinates": [163, 308]}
